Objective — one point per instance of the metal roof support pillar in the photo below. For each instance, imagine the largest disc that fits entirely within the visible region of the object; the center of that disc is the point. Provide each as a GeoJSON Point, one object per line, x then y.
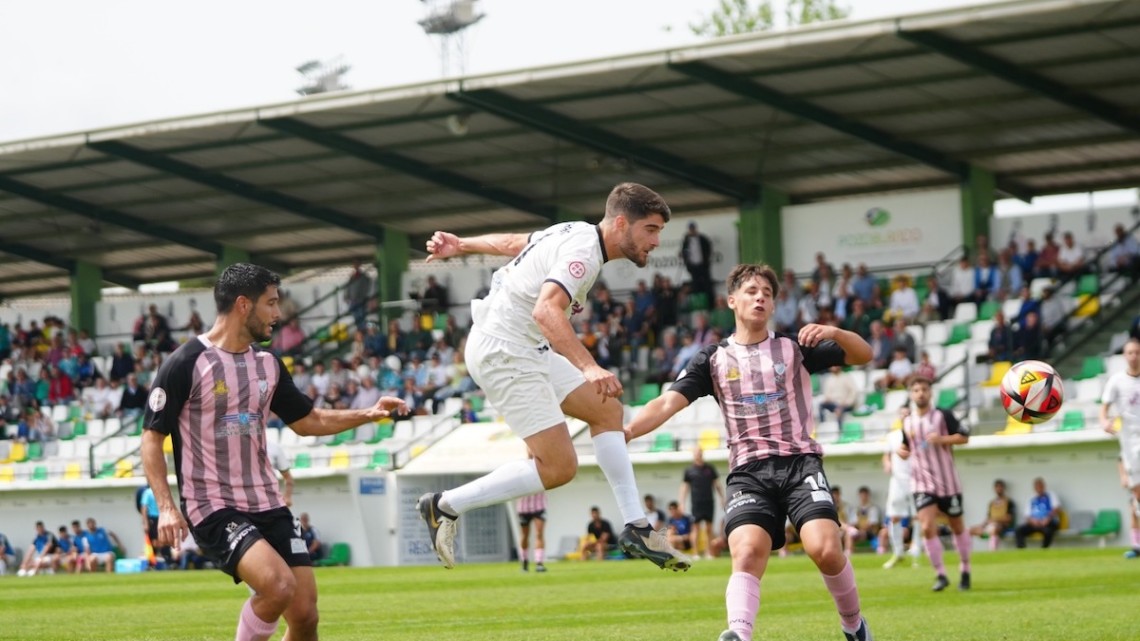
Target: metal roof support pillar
{"type": "Point", "coordinates": [86, 290]}
{"type": "Point", "coordinates": [230, 256]}
{"type": "Point", "coordinates": [391, 263]}
{"type": "Point", "coordinates": [977, 206]}
{"type": "Point", "coordinates": [761, 229]}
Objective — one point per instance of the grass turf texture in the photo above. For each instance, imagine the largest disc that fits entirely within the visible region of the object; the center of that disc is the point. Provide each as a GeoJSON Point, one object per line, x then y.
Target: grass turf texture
{"type": "Point", "coordinates": [1074, 594]}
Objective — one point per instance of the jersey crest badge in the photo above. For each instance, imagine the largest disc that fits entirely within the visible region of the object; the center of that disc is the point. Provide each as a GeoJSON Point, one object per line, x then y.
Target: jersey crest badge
{"type": "Point", "coordinates": [157, 399]}
{"type": "Point", "coordinates": [733, 374]}
{"type": "Point", "coordinates": [220, 388]}
{"type": "Point", "coordinates": [577, 269]}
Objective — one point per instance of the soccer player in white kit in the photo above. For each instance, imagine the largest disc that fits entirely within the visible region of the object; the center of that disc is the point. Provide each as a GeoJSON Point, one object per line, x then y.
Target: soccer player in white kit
{"type": "Point", "coordinates": [1122, 393]}
{"type": "Point", "coordinates": [525, 355]}
{"type": "Point", "coordinates": [900, 502]}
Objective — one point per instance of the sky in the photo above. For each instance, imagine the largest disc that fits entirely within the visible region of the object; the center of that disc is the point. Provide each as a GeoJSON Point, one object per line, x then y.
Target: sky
{"type": "Point", "coordinates": [79, 65]}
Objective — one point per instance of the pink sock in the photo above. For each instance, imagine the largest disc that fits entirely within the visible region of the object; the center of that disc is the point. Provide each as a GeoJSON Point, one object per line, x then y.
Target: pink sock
{"type": "Point", "coordinates": [994, 538]}
{"type": "Point", "coordinates": [522, 554]}
{"type": "Point", "coordinates": [963, 542]}
{"type": "Point", "coordinates": [742, 600]}
{"type": "Point", "coordinates": [1136, 537]}
{"type": "Point", "coordinates": [934, 551]}
{"type": "Point", "coordinates": [251, 627]}
{"type": "Point", "coordinates": [539, 555]}
{"type": "Point", "coordinates": [846, 595]}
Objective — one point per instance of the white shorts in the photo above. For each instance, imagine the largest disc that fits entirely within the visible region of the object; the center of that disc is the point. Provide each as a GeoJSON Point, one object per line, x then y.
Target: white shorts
{"type": "Point", "coordinates": [1130, 457]}
{"type": "Point", "coordinates": [102, 557]}
{"type": "Point", "coordinates": [524, 384]}
{"type": "Point", "coordinates": [900, 501]}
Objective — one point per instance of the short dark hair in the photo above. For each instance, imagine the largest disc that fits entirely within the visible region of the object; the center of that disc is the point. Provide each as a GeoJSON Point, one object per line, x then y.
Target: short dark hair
{"type": "Point", "coordinates": [915, 378]}
{"type": "Point", "coordinates": [864, 489]}
{"type": "Point", "coordinates": [75, 523]}
{"type": "Point", "coordinates": [242, 279]}
{"type": "Point", "coordinates": [674, 504]}
{"type": "Point", "coordinates": [635, 202]}
{"type": "Point", "coordinates": [743, 273]}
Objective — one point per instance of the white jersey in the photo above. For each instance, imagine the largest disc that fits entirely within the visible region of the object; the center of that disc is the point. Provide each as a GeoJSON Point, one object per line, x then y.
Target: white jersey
{"type": "Point", "coordinates": [1122, 392]}
{"type": "Point", "coordinates": [900, 467]}
{"type": "Point", "coordinates": [569, 255]}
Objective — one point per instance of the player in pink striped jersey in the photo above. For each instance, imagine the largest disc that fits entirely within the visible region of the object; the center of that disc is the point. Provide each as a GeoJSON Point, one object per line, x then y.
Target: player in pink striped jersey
{"type": "Point", "coordinates": [761, 380]}
{"type": "Point", "coordinates": [532, 511]}
{"type": "Point", "coordinates": [213, 397]}
{"type": "Point", "coordinates": [928, 435]}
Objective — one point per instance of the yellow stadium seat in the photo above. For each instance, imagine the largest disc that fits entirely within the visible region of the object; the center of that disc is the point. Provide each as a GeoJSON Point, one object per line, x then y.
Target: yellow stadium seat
{"type": "Point", "coordinates": [339, 460]}
{"type": "Point", "coordinates": [124, 469]}
{"type": "Point", "coordinates": [709, 439]}
{"type": "Point", "coordinates": [288, 361]}
{"type": "Point", "coordinates": [167, 445]}
{"type": "Point", "coordinates": [417, 450]}
{"type": "Point", "coordinates": [997, 372]}
{"type": "Point", "coordinates": [7, 474]}
{"type": "Point", "coordinates": [1013, 427]}
{"type": "Point", "coordinates": [1087, 305]}
{"type": "Point", "coordinates": [73, 472]}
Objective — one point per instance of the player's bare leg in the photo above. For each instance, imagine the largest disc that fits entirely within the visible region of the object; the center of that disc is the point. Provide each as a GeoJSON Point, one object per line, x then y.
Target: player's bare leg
{"type": "Point", "coordinates": [820, 538]}
{"type": "Point", "coordinates": [301, 616]}
{"type": "Point", "coordinates": [273, 586]}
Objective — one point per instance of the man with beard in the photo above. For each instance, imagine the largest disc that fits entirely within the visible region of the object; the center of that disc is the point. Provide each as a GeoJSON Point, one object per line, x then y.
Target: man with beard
{"type": "Point", "coordinates": [524, 353]}
{"type": "Point", "coordinates": [213, 397]}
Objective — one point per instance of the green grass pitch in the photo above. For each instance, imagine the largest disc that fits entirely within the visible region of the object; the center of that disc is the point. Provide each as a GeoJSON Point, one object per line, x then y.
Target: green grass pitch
{"type": "Point", "coordinates": [1066, 594]}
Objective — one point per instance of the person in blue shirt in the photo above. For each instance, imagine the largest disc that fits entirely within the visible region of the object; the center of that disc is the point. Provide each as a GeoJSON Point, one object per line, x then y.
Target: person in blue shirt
{"type": "Point", "coordinates": [148, 508]}
{"type": "Point", "coordinates": [41, 554]}
{"type": "Point", "coordinates": [682, 534]}
{"type": "Point", "coordinates": [7, 554]}
{"type": "Point", "coordinates": [101, 546]}
{"type": "Point", "coordinates": [1042, 514]}
{"type": "Point", "coordinates": [64, 550]}
{"type": "Point", "coordinates": [79, 548]}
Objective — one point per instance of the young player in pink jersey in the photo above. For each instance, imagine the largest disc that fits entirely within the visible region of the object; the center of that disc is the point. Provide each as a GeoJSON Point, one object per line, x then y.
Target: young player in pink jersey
{"type": "Point", "coordinates": [761, 380]}
{"type": "Point", "coordinates": [928, 435]}
{"type": "Point", "coordinates": [213, 397]}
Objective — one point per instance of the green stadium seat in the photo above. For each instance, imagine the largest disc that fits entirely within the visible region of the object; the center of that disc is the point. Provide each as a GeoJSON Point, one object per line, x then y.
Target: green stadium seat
{"type": "Point", "coordinates": [440, 321]}
{"type": "Point", "coordinates": [476, 402]}
{"type": "Point", "coordinates": [381, 460]}
{"type": "Point", "coordinates": [343, 438]}
{"type": "Point", "coordinates": [80, 429]}
{"type": "Point", "coordinates": [339, 554]}
{"type": "Point", "coordinates": [1107, 523]}
{"type": "Point", "coordinates": [75, 412]}
{"type": "Point", "coordinates": [40, 473]}
{"type": "Point", "coordinates": [987, 310]}
{"type": "Point", "coordinates": [875, 400]}
{"type": "Point", "coordinates": [647, 392]}
{"type": "Point", "coordinates": [947, 399]}
{"type": "Point", "coordinates": [851, 432]}
{"type": "Point", "coordinates": [384, 429]}
{"type": "Point", "coordinates": [1091, 367]}
{"type": "Point", "coordinates": [815, 384]}
{"type": "Point", "coordinates": [1072, 421]}
{"type": "Point", "coordinates": [107, 471]}
{"type": "Point", "coordinates": [663, 442]}
{"type": "Point", "coordinates": [302, 461]}
{"type": "Point", "coordinates": [135, 429]}
{"type": "Point", "coordinates": [35, 451]}
{"type": "Point", "coordinates": [1088, 285]}
{"type": "Point", "coordinates": [960, 333]}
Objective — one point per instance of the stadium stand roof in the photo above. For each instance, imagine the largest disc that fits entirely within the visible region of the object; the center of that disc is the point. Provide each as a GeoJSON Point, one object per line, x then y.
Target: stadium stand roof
{"type": "Point", "coordinates": [1043, 93]}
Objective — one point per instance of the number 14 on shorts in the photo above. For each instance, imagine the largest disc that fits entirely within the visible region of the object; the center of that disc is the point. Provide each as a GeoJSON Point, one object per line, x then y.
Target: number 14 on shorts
{"type": "Point", "coordinates": [820, 490]}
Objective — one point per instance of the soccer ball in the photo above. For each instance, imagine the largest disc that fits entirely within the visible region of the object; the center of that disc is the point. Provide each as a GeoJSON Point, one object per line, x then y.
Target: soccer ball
{"type": "Point", "coordinates": [1031, 392]}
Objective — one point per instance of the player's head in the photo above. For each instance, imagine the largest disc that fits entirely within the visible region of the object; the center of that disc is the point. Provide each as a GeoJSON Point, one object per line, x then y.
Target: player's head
{"type": "Point", "coordinates": [674, 509]}
{"type": "Point", "coordinates": [1132, 355]}
{"type": "Point", "coordinates": [249, 293]}
{"type": "Point", "coordinates": [637, 214]}
{"type": "Point", "coordinates": [752, 290]}
{"type": "Point", "coordinates": [999, 487]}
{"type": "Point", "coordinates": [919, 388]}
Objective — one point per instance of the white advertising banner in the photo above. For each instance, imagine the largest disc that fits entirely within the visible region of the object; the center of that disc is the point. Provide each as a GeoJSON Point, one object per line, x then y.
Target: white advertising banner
{"type": "Point", "coordinates": [879, 230]}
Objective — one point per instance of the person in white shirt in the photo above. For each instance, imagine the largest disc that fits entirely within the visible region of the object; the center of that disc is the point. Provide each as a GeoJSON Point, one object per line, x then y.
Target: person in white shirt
{"type": "Point", "coordinates": [898, 370]}
{"type": "Point", "coordinates": [903, 302]}
{"type": "Point", "coordinates": [840, 394]}
{"type": "Point", "coordinates": [98, 400]}
{"type": "Point", "coordinates": [367, 395]}
{"type": "Point", "coordinates": [320, 378]}
{"type": "Point", "coordinates": [524, 354]}
{"type": "Point", "coordinates": [1071, 258]}
{"type": "Point", "coordinates": [962, 281]}
{"type": "Point", "coordinates": [1122, 397]}
{"type": "Point", "coordinates": [900, 501]}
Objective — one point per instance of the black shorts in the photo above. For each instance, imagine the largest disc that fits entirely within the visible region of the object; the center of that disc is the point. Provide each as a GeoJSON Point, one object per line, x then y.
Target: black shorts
{"type": "Point", "coordinates": [526, 517]}
{"type": "Point", "coordinates": [948, 505]}
{"type": "Point", "coordinates": [226, 535]}
{"type": "Point", "coordinates": [769, 491]}
{"type": "Point", "coordinates": [703, 512]}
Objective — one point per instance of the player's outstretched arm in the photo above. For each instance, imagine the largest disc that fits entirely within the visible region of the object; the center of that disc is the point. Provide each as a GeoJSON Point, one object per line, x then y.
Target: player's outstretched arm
{"type": "Point", "coordinates": [446, 245]}
{"type": "Point", "coordinates": [655, 413]}
{"type": "Point", "coordinates": [855, 349]}
{"type": "Point", "coordinates": [323, 422]}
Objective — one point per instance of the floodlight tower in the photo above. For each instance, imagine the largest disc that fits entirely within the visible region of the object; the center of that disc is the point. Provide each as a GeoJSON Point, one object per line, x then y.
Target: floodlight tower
{"type": "Point", "coordinates": [323, 77]}
{"type": "Point", "coordinates": [449, 20]}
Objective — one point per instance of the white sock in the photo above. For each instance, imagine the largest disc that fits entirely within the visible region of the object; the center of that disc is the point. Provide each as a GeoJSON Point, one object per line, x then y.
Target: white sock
{"type": "Point", "coordinates": [510, 481]}
{"type": "Point", "coordinates": [613, 458]}
{"type": "Point", "coordinates": [896, 532]}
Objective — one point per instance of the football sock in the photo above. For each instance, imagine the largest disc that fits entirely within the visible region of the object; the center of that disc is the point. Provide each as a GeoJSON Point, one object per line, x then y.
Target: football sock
{"type": "Point", "coordinates": [539, 555]}
{"type": "Point", "coordinates": [963, 542]}
{"type": "Point", "coordinates": [522, 554]}
{"type": "Point", "coordinates": [613, 457]}
{"type": "Point", "coordinates": [251, 627]}
{"type": "Point", "coordinates": [934, 551]}
{"type": "Point", "coordinates": [1136, 538]}
{"type": "Point", "coordinates": [510, 481]}
{"type": "Point", "coordinates": [846, 595]}
{"type": "Point", "coordinates": [742, 600]}
{"type": "Point", "coordinates": [896, 533]}
{"type": "Point", "coordinates": [994, 540]}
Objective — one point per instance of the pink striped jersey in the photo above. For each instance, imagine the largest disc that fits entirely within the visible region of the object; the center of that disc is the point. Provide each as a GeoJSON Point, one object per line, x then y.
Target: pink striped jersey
{"type": "Point", "coordinates": [532, 504]}
{"type": "Point", "coordinates": [764, 392]}
{"type": "Point", "coordinates": [932, 466]}
{"type": "Point", "coordinates": [214, 405]}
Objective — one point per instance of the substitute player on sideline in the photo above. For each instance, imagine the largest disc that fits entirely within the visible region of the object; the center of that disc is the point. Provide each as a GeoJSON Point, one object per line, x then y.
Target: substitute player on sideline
{"type": "Point", "coordinates": [1122, 394]}
{"type": "Point", "coordinates": [928, 435]}
{"type": "Point", "coordinates": [526, 356]}
{"type": "Point", "coordinates": [761, 380]}
{"type": "Point", "coordinates": [213, 397]}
